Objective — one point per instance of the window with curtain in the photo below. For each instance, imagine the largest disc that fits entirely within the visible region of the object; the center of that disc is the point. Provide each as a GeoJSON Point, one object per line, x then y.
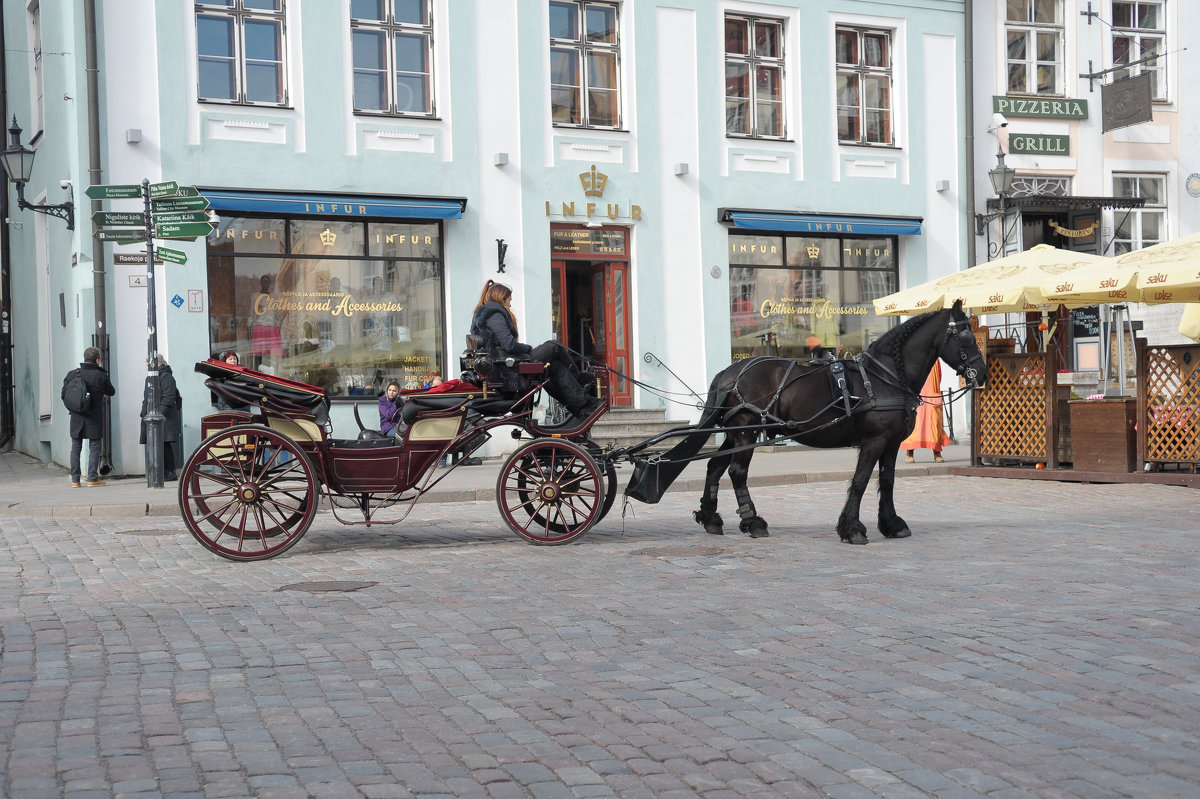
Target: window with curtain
{"type": "Point", "coordinates": [584, 64]}
{"type": "Point", "coordinates": [240, 45]}
{"type": "Point", "coordinates": [1140, 227]}
{"type": "Point", "coordinates": [1138, 35]}
{"type": "Point", "coordinates": [754, 77]}
{"type": "Point", "coordinates": [864, 86]}
{"type": "Point", "coordinates": [1034, 39]}
{"type": "Point", "coordinates": [392, 52]}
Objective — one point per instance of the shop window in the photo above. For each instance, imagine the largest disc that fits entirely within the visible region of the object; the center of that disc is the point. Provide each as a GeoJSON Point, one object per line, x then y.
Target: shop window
{"type": "Point", "coordinates": [341, 304]}
{"type": "Point", "coordinates": [240, 46]}
{"type": "Point", "coordinates": [864, 86]}
{"type": "Point", "coordinates": [1140, 227]}
{"type": "Point", "coordinates": [392, 52]}
{"type": "Point", "coordinates": [754, 77]}
{"type": "Point", "coordinates": [1034, 39]}
{"type": "Point", "coordinates": [584, 64]}
{"type": "Point", "coordinates": [1138, 38]}
{"type": "Point", "coordinates": [786, 289]}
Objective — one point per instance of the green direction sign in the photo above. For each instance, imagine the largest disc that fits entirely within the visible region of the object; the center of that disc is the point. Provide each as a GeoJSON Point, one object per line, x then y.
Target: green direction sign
{"type": "Point", "coordinates": [184, 216]}
{"type": "Point", "coordinates": [174, 256]}
{"type": "Point", "coordinates": [182, 229]}
{"type": "Point", "coordinates": [167, 188]}
{"type": "Point", "coordinates": [117, 218]}
{"type": "Point", "coordinates": [187, 191]}
{"type": "Point", "coordinates": [174, 204]}
{"type": "Point", "coordinates": [120, 191]}
{"type": "Point", "coordinates": [120, 235]}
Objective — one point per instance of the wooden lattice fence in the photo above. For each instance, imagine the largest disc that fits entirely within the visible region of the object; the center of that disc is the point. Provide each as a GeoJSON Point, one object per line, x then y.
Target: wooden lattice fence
{"type": "Point", "coordinates": [1011, 413]}
{"type": "Point", "coordinates": [1169, 406]}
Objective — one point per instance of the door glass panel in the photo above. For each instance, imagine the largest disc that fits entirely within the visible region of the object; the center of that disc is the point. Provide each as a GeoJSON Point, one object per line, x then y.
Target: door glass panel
{"type": "Point", "coordinates": [618, 301]}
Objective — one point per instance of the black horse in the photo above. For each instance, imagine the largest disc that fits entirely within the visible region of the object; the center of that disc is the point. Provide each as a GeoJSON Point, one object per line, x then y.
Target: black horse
{"type": "Point", "coordinates": [869, 401]}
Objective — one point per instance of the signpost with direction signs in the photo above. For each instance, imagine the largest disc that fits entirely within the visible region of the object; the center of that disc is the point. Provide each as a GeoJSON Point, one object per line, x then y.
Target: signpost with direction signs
{"type": "Point", "coordinates": [170, 211]}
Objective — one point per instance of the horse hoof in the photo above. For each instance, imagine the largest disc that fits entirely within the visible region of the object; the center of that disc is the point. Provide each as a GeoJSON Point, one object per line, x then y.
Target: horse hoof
{"type": "Point", "coordinates": [714, 529]}
{"type": "Point", "coordinates": [756, 527]}
{"type": "Point", "coordinates": [904, 532]}
{"type": "Point", "coordinates": [857, 538]}
{"type": "Point", "coordinates": [763, 533]}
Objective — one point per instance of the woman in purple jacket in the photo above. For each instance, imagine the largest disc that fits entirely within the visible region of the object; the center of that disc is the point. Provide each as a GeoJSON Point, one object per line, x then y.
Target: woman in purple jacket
{"type": "Point", "coordinates": [389, 411]}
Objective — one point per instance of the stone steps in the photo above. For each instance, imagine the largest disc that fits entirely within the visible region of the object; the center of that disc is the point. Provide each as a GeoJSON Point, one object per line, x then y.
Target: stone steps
{"type": "Point", "coordinates": [624, 427]}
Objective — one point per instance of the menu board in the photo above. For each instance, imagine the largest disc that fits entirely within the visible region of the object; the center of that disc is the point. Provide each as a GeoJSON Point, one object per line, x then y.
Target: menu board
{"type": "Point", "coordinates": [1085, 322]}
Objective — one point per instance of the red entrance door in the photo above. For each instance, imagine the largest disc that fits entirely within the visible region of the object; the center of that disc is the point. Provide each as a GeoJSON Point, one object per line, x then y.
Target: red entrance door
{"type": "Point", "coordinates": [591, 316]}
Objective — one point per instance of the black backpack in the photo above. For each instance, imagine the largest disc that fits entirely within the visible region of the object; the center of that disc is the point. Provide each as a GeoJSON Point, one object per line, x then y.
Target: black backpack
{"type": "Point", "coordinates": [75, 395]}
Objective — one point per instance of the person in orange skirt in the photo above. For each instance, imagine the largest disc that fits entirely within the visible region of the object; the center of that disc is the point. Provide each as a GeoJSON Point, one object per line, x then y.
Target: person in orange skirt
{"type": "Point", "coordinates": [928, 432]}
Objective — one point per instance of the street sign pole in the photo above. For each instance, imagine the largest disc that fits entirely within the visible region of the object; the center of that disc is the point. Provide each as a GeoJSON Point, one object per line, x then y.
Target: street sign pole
{"type": "Point", "coordinates": [154, 418]}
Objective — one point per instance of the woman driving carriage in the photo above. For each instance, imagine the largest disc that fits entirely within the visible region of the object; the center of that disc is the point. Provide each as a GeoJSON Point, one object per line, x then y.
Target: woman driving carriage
{"type": "Point", "coordinates": [493, 322]}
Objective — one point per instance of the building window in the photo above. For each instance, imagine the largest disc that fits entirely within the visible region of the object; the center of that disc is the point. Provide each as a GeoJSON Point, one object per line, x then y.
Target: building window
{"type": "Point", "coordinates": [784, 289]}
{"type": "Point", "coordinates": [346, 305]}
{"type": "Point", "coordinates": [392, 42]}
{"type": "Point", "coordinates": [240, 44]}
{"type": "Point", "coordinates": [37, 83]}
{"type": "Point", "coordinates": [584, 64]}
{"type": "Point", "coordinates": [1034, 37]}
{"type": "Point", "coordinates": [1138, 35]}
{"type": "Point", "coordinates": [1140, 227]}
{"type": "Point", "coordinates": [754, 77]}
{"type": "Point", "coordinates": [864, 86]}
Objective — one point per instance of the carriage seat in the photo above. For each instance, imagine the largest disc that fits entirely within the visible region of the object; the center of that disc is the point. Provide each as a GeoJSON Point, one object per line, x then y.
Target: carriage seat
{"type": "Point", "coordinates": [509, 378]}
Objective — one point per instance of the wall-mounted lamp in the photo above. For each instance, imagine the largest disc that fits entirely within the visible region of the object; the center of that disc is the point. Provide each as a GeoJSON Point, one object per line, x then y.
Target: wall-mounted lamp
{"type": "Point", "coordinates": [501, 251]}
{"type": "Point", "coordinates": [681, 168]}
{"type": "Point", "coordinates": [592, 223]}
{"type": "Point", "coordinates": [1001, 176]}
{"type": "Point", "coordinates": [18, 163]}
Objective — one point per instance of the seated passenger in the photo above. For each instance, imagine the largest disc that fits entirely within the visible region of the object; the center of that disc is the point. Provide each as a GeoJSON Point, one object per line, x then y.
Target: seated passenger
{"type": "Point", "coordinates": [389, 410]}
{"type": "Point", "coordinates": [494, 324]}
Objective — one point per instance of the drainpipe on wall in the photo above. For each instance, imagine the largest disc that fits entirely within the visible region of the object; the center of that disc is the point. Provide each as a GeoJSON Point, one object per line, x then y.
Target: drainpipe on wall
{"type": "Point", "coordinates": [100, 335]}
{"type": "Point", "coordinates": [8, 425]}
{"type": "Point", "coordinates": [969, 111]}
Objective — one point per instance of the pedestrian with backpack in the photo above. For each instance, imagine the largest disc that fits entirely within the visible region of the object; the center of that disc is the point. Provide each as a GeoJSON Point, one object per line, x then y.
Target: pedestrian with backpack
{"type": "Point", "coordinates": [83, 393]}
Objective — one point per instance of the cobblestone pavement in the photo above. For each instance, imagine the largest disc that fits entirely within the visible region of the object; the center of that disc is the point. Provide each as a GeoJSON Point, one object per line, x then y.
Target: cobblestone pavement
{"type": "Point", "coordinates": [1030, 640]}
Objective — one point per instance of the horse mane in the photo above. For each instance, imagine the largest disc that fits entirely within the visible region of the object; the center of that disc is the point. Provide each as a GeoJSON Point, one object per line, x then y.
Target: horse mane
{"type": "Point", "coordinates": [891, 344]}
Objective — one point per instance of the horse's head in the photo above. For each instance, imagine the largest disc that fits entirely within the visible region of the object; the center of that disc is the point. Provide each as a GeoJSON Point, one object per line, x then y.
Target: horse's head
{"type": "Point", "coordinates": [960, 350]}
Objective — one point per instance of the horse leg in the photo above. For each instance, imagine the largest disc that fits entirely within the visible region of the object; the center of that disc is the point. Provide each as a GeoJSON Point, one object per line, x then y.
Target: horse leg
{"type": "Point", "coordinates": [850, 529]}
{"type": "Point", "coordinates": [707, 515]}
{"type": "Point", "coordinates": [891, 525]}
{"type": "Point", "coordinates": [751, 522]}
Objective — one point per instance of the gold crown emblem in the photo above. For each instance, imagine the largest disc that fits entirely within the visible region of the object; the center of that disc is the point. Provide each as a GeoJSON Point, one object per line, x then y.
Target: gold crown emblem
{"type": "Point", "coordinates": [328, 237]}
{"type": "Point", "coordinates": [593, 182]}
{"type": "Point", "coordinates": [814, 251]}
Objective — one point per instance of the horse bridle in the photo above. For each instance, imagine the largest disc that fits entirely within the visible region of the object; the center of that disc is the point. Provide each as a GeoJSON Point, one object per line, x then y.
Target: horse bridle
{"type": "Point", "coordinates": [961, 330]}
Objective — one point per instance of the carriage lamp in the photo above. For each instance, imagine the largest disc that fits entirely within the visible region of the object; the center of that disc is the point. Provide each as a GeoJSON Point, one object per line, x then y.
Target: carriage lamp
{"type": "Point", "coordinates": [17, 160]}
{"type": "Point", "coordinates": [1001, 176]}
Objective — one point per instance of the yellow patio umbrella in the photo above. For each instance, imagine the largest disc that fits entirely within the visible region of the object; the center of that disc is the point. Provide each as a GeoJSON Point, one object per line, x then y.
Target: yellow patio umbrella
{"type": "Point", "coordinates": [1167, 272]}
{"type": "Point", "coordinates": [1189, 323]}
{"type": "Point", "coordinates": [1006, 285]}
{"type": "Point", "coordinates": [1106, 281]}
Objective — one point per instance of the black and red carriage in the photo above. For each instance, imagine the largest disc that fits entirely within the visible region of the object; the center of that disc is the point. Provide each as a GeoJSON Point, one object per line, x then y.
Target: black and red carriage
{"type": "Point", "coordinates": [261, 474]}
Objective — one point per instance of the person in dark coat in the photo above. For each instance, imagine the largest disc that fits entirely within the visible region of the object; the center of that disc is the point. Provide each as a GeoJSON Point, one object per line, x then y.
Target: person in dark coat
{"type": "Point", "coordinates": [494, 324]}
{"type": "Point", "coordinates": [89, 425]}
{"type": "Point", "coordinates": [169, 405]}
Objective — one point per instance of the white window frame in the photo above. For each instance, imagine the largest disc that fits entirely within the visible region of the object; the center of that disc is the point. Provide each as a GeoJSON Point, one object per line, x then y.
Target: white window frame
{"type": "Point", "coordinates": [391, 29]}
{"type": "Point", "coordinates": [754, 61]}
{"type": "Point", "coordinates": [1140, 40]}
{"type": "Point", "coordinates": [1135, 237]}
{"type": "Point", "coordinates": [583, 49]}
{"type": "Point", "coordinates": [37, 78]}
{"type": "Point", "coordinates": [861, 72]}
{"type": "Point", "coordinates": [240, 13]}
{"type": "Point", "coordinates": [1031, 30]}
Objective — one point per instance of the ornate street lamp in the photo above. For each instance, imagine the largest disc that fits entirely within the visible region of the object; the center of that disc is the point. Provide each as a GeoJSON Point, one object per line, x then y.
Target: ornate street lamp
{"type": "Point", "coordinates": [17, 160]}
{"type": "Point", "coordinates": [1001, 176]}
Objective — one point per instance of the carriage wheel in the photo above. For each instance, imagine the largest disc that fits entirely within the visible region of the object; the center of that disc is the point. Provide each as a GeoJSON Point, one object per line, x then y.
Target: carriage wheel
{"type": "Point", "coordinates": [550, 492]}
{"type": "Point", "coordinates": [248, 493]}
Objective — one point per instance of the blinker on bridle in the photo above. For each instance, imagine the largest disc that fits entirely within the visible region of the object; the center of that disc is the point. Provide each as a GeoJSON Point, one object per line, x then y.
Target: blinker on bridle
{"type": "Point", "coordinates": [962, 329]}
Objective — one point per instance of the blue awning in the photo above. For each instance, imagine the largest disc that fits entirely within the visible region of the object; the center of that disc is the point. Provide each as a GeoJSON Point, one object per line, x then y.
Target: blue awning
{"type": "Point", "coordinates": [343, 205]}
{"type": "Point", "coordinates": [822, 224]}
